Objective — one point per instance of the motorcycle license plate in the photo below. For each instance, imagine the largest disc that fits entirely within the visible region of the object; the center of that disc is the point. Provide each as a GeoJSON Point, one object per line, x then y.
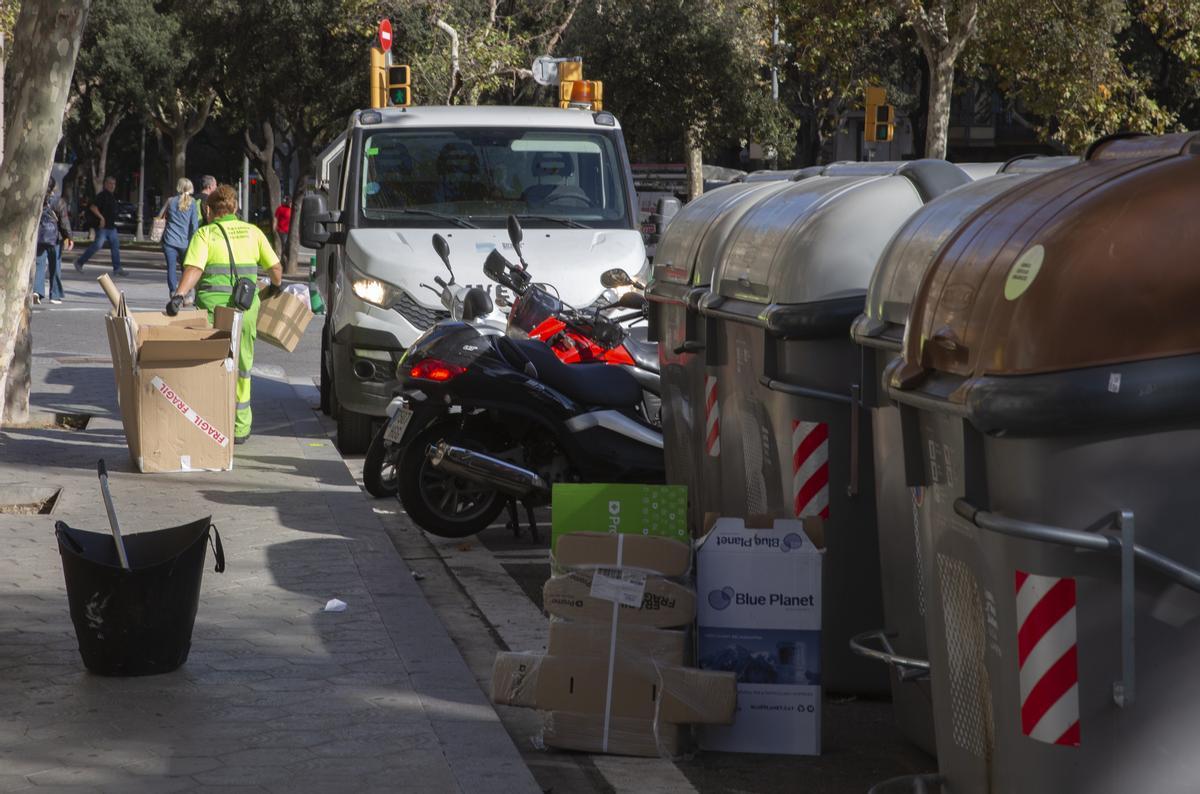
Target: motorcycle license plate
{"type": "Point", "coordinates": [395, 429]}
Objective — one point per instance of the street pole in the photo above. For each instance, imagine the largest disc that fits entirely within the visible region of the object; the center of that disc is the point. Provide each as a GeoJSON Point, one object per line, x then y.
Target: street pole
{"type": "Point", "coordinates": [245, 187]}
{"type": "Point", "coordinates": [141, 210]}
{"type": "Point", "coordinates": [775, 60]}
{"type": "Point", "coordinates": [3, 57]}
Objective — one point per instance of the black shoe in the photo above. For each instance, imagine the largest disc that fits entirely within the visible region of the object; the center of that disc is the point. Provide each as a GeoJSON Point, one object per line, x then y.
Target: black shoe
{"type": "Point", "coordinates": [121, 272]}
{"type": "Point", "coordinates": [78, 266]}
{"type": "Point", "coordinates": [241, 439]}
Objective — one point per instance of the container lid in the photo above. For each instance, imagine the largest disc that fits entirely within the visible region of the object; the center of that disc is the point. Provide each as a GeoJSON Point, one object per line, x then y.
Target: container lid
{"type": "Point", "coordinates": [820, 238]}
{"type": "Point", "coordinates": [1084, 266]}
{"type": "Point", "coordinates": [687, 249]}
{"type": "Point", "coordinates": [918, 242]}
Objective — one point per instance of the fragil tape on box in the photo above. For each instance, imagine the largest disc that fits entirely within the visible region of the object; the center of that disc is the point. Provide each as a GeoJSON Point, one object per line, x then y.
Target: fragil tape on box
{"type": "Point", "coordinates": [759, 616]}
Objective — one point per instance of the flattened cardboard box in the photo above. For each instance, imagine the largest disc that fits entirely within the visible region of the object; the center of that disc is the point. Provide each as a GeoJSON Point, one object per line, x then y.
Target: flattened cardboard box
{"type": "Point", "coordinates": [642, 552]}
{"type": "Point", "coordinates": [585, 732]}
{"type": "Point", "coordinates": [634, 643]}
{"type": "Point", "coordinates": [664, 603]}
{"type": "Point", "coordinates": [282, 320]}
{"type": "Point", "coordinates": [175, 379]}
{"type": "Point", "coordinates": [639, 691]}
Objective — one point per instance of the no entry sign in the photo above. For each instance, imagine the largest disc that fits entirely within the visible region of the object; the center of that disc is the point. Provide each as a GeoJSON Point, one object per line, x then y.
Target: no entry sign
{"type": "Point", "coordinates": [385, 35]}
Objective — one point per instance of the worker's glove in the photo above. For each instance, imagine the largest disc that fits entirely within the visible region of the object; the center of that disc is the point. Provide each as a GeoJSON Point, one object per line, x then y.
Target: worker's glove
{"type": "Point", "coordinates": [272, 290]}
{"type": "Point", "coordinates": [174, 305]}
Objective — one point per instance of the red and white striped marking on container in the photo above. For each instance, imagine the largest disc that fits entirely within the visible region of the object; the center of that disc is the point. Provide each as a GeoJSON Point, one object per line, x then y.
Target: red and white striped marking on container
{"type": "Point", "coordinates": [1048, 658]}
{"type": "Point", "coordinates": [810, 469]}
{"type": "Point", "coordinates": [712, 418]}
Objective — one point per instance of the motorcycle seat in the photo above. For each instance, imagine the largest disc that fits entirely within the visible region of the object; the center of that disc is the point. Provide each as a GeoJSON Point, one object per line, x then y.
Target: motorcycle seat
{"type": "Point", "coordinates": [643, 353]}
{"type": "Point", "coordinates": [590, 384]}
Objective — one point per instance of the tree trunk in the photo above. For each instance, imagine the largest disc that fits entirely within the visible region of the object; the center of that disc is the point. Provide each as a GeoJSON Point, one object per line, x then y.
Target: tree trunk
{"type": "Point", "coordinates": [102, 141]}
{"type": "Point", "coordinates": [941, 84]}
{"type": "Point", "coordinates": [16, 386]}
{"type": "Point", "coordinates": [265, 157]}
{"type": "Point", "coordinates": [45, 43]}
{"type": "Point", "coordinates": [694, 153]}
{"type": "Point", "coordinates": [179, 158]}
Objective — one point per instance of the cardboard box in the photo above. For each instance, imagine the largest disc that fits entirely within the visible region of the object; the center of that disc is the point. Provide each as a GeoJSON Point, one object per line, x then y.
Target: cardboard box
{"type": "Point", "coordinates": [639, 691]}
{"type": "Point", "coordinates": [662, 602]}
{"type": "Point", "coordinates": [760, 617]}
{"type": "Point", "coordinates": [282, 319]}
{"type": "Point", "coordinates": [175, 386]}
{"type": "Point", "coordinates": [604, 550]}
{"type": "Point", "coordinates": [585, 732]}
{"type": "Point", "coordinates": [635, 643]}
{"type": "Point", "coordinates": [657, 510]}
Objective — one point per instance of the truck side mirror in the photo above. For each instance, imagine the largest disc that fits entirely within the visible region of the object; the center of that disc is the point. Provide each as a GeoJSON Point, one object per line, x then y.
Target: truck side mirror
{"type": "Point", "coordinates": [314, 215]}
{"type": "Point", "coordinates": [666, 208]}
{"type": "Point", "coordinates": [515, 235]}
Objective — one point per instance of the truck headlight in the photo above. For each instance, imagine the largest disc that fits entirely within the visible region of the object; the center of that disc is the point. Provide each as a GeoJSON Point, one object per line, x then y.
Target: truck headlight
{"type": "Point", "coordinates": [372, 291]}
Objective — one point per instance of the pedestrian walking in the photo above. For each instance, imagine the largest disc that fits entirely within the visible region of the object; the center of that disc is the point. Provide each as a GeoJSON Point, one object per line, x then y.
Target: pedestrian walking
{"type": "Point", "coordinates": [182, 215]}
{"type": "Point", "coordinates": [221, 252]}
{"type": "Point", "coordinates": [208, 183]}
{"type": "Point", "coordinates": [54, 233]}
{"type": "Point", "coordinates": [104, 208]}
{"type": "Point", "coordinates": [282, 224]}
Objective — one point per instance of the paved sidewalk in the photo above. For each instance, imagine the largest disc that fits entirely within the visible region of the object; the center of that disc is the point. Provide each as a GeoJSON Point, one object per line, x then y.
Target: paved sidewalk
{"type": "Point", "coordinates": [277, 695]}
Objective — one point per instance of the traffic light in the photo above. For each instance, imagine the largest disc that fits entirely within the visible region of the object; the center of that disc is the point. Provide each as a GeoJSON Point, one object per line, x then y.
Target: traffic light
{"type": "Point", "coordinates": [879, 125]}
{"type": "Point", "coordinates": [399, 91]}
{"type": "Point", "coordinates": [378, 78]}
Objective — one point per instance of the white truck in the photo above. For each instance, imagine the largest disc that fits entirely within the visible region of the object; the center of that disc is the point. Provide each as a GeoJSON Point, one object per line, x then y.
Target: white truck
{"type": "Point", "coordinates": [397, 176]}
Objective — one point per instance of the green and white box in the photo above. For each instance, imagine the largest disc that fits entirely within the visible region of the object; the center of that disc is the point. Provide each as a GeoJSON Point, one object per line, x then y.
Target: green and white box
{"type": "Point", "coordinates": [658, 510]}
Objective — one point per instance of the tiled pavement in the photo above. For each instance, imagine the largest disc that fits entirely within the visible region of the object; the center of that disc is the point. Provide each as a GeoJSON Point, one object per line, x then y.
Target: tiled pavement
{"type": "Point", "coordinates": [276, 695]}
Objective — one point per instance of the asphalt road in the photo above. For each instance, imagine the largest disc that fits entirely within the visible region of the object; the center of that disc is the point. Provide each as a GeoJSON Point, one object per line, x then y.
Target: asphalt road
{"type": "Point", "coordinates": [487, 591]}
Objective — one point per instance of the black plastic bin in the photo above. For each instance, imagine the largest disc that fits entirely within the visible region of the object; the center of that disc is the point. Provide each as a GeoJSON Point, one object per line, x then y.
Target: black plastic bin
{"type": "Point", "coordinates": [137, 621]}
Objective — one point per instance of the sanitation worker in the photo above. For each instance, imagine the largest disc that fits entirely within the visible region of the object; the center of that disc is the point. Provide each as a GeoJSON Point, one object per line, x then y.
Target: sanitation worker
{"type": "Point", "coordinates": [207, 269]}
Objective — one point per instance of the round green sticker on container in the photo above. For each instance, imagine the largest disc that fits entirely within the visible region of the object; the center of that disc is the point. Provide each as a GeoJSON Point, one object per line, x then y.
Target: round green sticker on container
{"type": "Point", "coordinates": [1023, 272]}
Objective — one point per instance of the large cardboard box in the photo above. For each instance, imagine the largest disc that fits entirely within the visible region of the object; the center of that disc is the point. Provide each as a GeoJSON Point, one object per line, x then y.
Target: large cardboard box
{"type": "Point", "coordinates": [580, 685]}
{"type": "Point", "coordinates": [635, 643]}
{"type": "Point", "coordinates": [641, 552]}
{"type": "Point", "coordinates": [657, 510]}
{"type": "Point", "coordinates": [759, 616]}
{"type": "Point", "coordinates": [282, 319]}
{"type": "Point", "coordinates": [175, 386]}
{"type": "Point", "coordinates": [625, 736]}
{"type": "Point", "coordinates": [659, 602]}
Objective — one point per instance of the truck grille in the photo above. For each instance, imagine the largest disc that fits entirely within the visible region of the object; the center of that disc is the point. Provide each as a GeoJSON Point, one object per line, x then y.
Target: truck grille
{"type": "Point", "coordinates": [418, 315]}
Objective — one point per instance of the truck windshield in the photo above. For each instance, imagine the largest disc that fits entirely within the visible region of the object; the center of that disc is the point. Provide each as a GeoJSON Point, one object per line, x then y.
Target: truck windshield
{"type": "Point", "coordinates": [484, 175]}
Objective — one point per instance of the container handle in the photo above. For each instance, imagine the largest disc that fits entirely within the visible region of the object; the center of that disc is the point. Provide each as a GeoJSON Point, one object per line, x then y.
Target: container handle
{"type": "Point", "coordinates": [61, 534]}
{"type": "Point", "coordinates": [1091, 539]}
{"type": "Point", "coordinates": [214, 540]}
{"type": "Point", "coordinates": [855, 419]}
{"type": "Point", "coordinates": [908, 668]}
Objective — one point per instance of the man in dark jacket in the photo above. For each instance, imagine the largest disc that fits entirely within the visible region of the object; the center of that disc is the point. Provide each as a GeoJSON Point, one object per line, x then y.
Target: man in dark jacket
{"type": "Point", "coordinates": [53, 234]}
{"type": "Point", "coordinates": [104, 208]}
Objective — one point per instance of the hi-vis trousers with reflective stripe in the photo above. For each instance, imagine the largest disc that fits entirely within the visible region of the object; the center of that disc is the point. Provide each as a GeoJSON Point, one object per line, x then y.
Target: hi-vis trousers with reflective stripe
{"type": "Point", "coordinates": [209, 300]}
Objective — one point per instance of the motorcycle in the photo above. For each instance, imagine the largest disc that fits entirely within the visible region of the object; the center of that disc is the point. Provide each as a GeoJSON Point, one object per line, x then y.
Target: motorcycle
{"type": "Point", "coordinates": [485, 421]}
{"type": "Point", "coordinates": [464, 303]}
{"type": "Point", "coordinates": [535, 314]}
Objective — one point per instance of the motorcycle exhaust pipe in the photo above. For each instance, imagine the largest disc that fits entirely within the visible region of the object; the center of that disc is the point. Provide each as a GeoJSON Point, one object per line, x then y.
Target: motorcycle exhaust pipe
{"type": "Point", "coordinates": [505, 477]}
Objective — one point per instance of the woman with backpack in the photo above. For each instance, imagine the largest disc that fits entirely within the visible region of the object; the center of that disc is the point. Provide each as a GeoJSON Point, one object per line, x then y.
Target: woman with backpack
{"type": "Point", "coordinates": [53, 234]}
{"type": "Point", "coordinates": [182, 216]}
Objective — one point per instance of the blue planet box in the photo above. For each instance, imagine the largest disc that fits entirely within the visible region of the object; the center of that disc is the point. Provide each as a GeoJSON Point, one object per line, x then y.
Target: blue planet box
{"type": "Point", "coordinates": [759, 615]}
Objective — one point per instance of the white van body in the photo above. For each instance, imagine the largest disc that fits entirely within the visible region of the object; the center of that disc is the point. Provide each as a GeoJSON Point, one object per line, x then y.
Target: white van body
{"type": "Point", "coordinates": [393, 167]}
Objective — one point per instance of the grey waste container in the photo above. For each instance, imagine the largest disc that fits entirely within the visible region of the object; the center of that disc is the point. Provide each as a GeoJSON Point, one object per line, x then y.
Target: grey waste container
{"type": "Point", "coordinates": [792, 278]}
{"type": "Point", "coordinates": [687, 253]}
{"type": "Point", "coordinates": [1047, 390]}
{"type": "Point", "coordinates": [903, 543]}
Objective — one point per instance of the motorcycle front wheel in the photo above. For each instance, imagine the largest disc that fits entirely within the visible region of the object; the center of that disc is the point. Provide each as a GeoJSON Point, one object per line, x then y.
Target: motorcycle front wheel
{"type": "Point", "coordinates": [441, 503]}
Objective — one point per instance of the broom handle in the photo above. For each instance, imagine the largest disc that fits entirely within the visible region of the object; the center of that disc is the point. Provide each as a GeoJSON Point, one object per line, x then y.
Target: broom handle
{"type": "Point", "coordinates": [112, 515]}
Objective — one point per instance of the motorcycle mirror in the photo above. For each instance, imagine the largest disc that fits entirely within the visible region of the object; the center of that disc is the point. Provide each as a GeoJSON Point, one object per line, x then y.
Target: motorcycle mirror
{"type": "Point", "coordinates": [616, 277]}
{"type": "Point", "coordinates": [515, 235]}
{"type": "Point", "coordinates": [443, 250]}
{"type": "Point", "coordinates": [632, 300]}
{"type": "Point", "coordinates": [496, 268]}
